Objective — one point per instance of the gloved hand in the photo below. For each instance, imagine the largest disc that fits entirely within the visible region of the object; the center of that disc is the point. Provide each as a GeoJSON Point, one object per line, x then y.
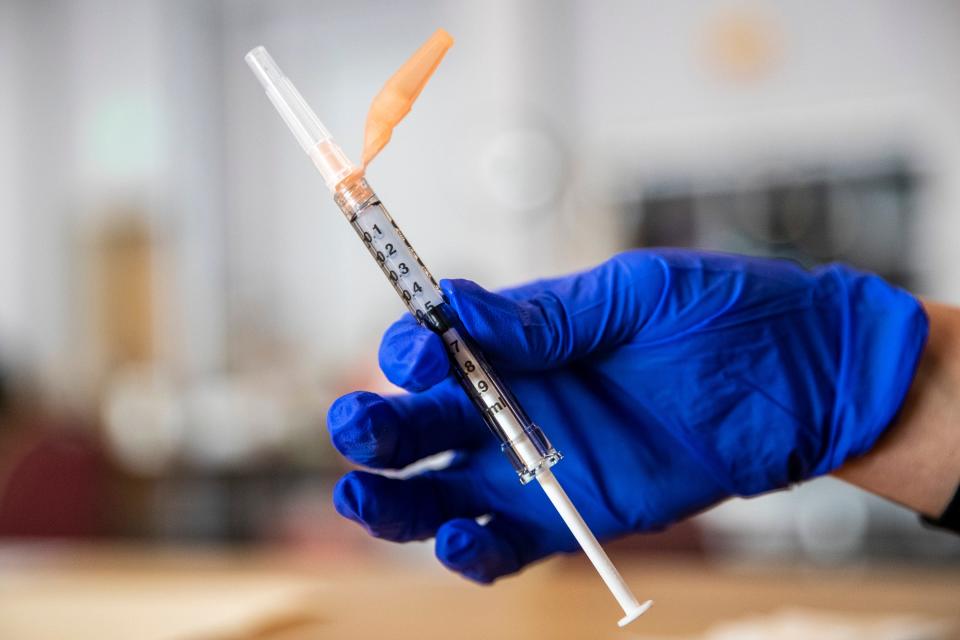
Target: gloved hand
{"type": "Point", "coordinates": [669, 379]}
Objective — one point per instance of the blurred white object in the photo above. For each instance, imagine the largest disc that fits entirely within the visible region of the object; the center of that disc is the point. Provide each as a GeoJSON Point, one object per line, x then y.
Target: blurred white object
{"type": "Point", "coordinates": [214, 422]}
{"type": "Point", "coordinates": [522, 168]}
{"type": "Point", "coordinates": [804, 624]}
{"type": "Point", "coordinates": [831, 525]}
{"type": "Point", "coordinates": [144, 420]}
{"type": "Point", "coordinates": [823, 520]}
{"type": "Point", "coordinates": [232, 420]}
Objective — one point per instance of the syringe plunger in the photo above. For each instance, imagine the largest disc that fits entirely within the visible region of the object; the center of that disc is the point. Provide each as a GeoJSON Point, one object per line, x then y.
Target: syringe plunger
{"type": "Point", "coordinates": [632, 609]}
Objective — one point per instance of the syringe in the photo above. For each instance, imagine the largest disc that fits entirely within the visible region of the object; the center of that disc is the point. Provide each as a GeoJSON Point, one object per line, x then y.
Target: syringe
{"type": "Point", "coordinates": [521, 440]}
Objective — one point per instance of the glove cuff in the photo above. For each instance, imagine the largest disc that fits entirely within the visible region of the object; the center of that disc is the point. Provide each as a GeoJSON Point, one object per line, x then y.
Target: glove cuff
{"type": "Point", "coordinates": [884, 331]}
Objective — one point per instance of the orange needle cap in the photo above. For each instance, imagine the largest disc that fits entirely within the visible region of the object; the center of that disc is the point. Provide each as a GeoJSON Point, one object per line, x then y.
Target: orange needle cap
{"type": "Point", "coordinates": [396, 98]}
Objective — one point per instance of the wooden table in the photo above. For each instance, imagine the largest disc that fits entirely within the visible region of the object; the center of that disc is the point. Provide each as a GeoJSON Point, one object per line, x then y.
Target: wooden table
{"type": "Point", "coordinates": [62, 592]}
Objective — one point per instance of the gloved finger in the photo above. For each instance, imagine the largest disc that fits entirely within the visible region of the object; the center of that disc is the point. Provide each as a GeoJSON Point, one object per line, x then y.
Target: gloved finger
{"type": "Point", "coordinates": [411, 509]}
{"type": "Point", "coordinates": [544, 325]}
{"type": "Point", "coordinates": [535, 326]}
{"type": "Point", "coordinates": [481, 553]}
{"type": "Point", "coordinates": [412, 357]}
{"type": "Point", "coordinates": [394, 431]}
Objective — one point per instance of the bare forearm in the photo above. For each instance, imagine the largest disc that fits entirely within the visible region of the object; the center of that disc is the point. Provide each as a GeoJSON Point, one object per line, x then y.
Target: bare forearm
{"type": "Point", "coordinates": [917, 461]}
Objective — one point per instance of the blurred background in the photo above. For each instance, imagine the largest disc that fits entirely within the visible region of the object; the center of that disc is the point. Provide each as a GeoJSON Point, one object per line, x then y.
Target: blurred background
{"type": "Point", "coordinates": [174, 276]}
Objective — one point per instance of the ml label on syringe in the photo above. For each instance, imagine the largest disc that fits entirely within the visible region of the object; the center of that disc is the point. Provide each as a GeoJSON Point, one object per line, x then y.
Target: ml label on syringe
{"type": "Point", "coordinates": [488, 395]}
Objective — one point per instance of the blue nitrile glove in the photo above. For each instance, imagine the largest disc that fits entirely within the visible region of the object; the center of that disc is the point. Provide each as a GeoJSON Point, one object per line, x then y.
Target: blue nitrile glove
{"type": "Point", "coordinates": [669, 379]}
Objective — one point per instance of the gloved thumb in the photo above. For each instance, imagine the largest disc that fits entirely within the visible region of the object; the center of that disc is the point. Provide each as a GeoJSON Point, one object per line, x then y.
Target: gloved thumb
{"type": "Point", "coordinates": [548, 323]}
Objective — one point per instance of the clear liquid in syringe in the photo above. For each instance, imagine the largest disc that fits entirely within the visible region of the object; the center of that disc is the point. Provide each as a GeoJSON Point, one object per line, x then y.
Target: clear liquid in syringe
{"type": "Point", "coordinates": [399, 262]}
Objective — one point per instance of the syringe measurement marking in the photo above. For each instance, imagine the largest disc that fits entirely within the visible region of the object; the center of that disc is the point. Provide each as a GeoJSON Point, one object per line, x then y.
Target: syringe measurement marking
{"type": "Point", "coordinates": [488, 396]}
{"type": "Point", "coordinates": [384, 252]}
{"type": "Point", "coordinates": [481, 386]}
{"type": "Point", "coordinates": [396, 258]}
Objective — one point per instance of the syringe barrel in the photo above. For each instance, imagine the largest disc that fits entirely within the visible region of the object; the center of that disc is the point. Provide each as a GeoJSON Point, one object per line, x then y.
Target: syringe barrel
{"type": "Point", "coordinates": [522, 441]}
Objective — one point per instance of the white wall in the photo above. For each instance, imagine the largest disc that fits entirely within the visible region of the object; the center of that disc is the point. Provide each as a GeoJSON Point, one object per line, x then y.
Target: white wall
{"type": "Point", "coordinates": [851, 79]}
{"type": "Point", "coordinates": [109, 107]}
{"type": "Point", "coordinates": [13, 319]}
{"type": "Point", "coordinates": [38, 100]}
{"type": "Point", "coordinates": [508, 168]}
